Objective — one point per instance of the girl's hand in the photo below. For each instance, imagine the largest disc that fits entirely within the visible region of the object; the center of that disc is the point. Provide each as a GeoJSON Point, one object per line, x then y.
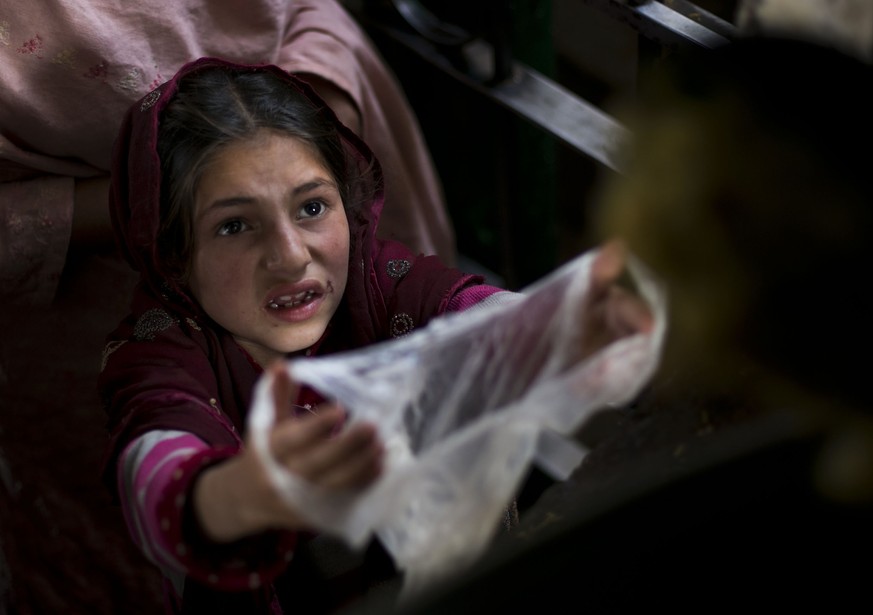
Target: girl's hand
{"type": "Point", "coordinates": [611, 312]}
{"type": "Point", "coordinates": [304, 445]}
{"type": "Point", "coordinates": [236, 498]}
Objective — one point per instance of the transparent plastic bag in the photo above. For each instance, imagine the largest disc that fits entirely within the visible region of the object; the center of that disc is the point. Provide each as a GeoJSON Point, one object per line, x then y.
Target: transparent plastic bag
{"type": "Point", "coordinates": [464, 406]}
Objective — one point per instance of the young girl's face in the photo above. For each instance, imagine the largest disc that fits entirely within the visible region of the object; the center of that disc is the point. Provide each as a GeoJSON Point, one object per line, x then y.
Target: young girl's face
{"type": "Point", "coordinates": [271, 244]}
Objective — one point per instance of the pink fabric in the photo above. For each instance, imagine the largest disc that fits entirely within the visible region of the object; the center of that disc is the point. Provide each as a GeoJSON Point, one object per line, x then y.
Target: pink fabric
{"type": "Point", "coordinates": [156, 474]}
{"type": "Point", "coordinates": [69, 71]}
{"type": "Point", "coordinates": [471, 296]}
{"type": "Point", "coordinates": [149, 466]}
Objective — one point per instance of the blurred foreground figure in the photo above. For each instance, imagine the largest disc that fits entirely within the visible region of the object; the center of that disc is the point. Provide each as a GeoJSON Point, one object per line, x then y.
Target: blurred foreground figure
{"type": "Point", "coordinates": [744, 477]}
{"type": "Point", "coordinates": [750, 193]}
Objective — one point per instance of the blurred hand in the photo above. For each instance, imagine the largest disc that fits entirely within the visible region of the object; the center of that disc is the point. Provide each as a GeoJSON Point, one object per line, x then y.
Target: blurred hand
{"type": "Point", "coordinates": [611, 312]}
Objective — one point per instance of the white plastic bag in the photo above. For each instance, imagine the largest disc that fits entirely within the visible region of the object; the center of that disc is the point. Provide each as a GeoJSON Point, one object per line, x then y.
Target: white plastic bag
{"type": "Point", "coordinates": [464, 406]}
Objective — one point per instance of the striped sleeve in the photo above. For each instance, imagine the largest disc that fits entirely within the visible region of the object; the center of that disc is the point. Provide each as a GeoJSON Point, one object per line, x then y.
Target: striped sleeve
{"type": "Point", "coordinates": [156, 476]}
{"type": "Point", "coordinates": [480, 295]}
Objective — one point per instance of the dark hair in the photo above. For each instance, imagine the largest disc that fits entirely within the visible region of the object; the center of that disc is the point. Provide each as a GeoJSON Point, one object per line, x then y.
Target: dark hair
{"type": "Point", "coordinates": [216, 106]}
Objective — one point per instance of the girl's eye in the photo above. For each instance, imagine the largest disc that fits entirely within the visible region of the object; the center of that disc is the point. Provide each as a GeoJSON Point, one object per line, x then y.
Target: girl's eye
{"type": "Point", "coordinates": [231, 227]}
{"type": "Point", "coordinates": [312, 209]}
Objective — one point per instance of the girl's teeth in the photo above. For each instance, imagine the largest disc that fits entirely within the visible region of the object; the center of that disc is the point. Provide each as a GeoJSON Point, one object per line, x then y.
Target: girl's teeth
{"type": "Point", "coordinates": [291, 300]}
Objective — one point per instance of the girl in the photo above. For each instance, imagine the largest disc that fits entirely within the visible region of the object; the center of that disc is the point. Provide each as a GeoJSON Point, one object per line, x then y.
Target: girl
{"type": "Point", "coordinates": [251, 213]}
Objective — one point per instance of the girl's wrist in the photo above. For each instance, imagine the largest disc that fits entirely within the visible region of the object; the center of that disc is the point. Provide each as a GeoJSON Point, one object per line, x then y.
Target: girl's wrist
{"type": "Point", "coordinates": [219, 504]}
{"type": "Point", "coordinates": [235, 499]}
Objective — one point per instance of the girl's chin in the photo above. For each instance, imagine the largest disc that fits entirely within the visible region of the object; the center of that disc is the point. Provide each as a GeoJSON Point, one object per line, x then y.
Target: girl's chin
{"type": "Point", "coordinates": [281, 348]}
{"type": "Point", "coordinates": [298, 343]}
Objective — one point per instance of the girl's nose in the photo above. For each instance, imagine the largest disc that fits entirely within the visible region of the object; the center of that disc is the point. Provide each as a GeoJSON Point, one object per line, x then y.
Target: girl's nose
{"type": "Point", "coordinates": [286, 249]}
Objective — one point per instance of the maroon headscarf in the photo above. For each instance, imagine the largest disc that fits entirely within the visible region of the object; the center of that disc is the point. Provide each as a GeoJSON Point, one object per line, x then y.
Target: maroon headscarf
{"type": "Point", "coordinates": [136, 171]}
{"type": "Point", "coordinates": [168, 365]}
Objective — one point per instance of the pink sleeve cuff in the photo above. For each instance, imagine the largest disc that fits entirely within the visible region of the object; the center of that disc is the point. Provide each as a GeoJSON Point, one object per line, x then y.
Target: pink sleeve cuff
{"type": "Point", "coordinates": [241, 565]}
{"type": "Point", "coordinates": [157, 476]}
{"type": "Point", "coordinates": [471, 296]}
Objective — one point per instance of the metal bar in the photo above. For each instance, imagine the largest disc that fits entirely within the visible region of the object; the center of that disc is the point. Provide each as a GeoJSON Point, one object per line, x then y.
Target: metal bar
{"type": "Point", "coordinates": [660, 23]}
{"type": "Point", "coordinates": [557, 110]}
{"type": "Point", "coordinates": [546, 103]}
{"type": "Point", "coordinates": [705, 18]}
{"type": "Point", "coordinates": [529, 94]}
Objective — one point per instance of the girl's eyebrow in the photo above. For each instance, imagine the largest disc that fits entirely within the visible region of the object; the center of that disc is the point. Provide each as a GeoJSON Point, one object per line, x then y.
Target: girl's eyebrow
{"type": "Point", "coordinates": [314, 185]}
{"type": "Point", "coordinates": [224, 203]}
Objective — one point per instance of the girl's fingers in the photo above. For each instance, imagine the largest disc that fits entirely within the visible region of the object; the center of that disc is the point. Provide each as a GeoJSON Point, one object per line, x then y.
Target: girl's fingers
{"type": "Point", "coordinates": [359, 474]}
{"type": "Point", "coordinates": [335, 457]}
{"type": "Point", "coordinates": [311, 452]}
{"type": "Point", "coordinates": [354, 463]}
{"type": "Point", "coordinates": [309, 447]}
{"type": "Point", "coordinates": [292, 438]}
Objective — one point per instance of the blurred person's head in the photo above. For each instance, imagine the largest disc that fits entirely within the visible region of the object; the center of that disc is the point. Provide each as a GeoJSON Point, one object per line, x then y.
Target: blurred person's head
{"type": "Point", "coordinates": [750, 191]}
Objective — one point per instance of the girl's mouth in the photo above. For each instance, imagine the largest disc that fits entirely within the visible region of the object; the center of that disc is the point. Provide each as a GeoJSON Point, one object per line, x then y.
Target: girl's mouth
{"type": "Point", "coordinates": [291, 301]}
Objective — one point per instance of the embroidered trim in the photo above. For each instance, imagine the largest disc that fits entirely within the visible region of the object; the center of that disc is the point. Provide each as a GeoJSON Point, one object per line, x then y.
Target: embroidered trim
{"type": "Point", "coordinates": [152, 322]}
{"type": "Point", "coordinates": [65, 57]}
{"type": "Point", "coordinates": [193, 324]}
{"type": "Point", "coordinates": [33, 47]}
{"type": "Point", "coordinates": [401, 324]}
{"type": "Point", "coordinates": [108, 350]}
{"type": "Point", "coordinates": [130, 81]}
{"type": "Point", "coordinates": [398, 268]}
{"type": "Point", "coordinates": [150, 99]}
{"type": "Point", "coordinates": [158, 80]}
{"type": "Point", "coordinates": [99, 72]}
